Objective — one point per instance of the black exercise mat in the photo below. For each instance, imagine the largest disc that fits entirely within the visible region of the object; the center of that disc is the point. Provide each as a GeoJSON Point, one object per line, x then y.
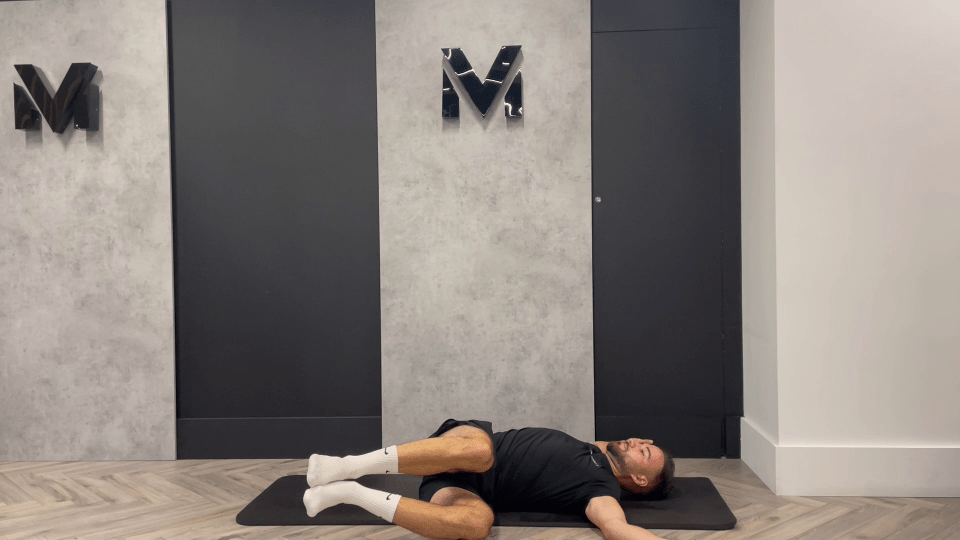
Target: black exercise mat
{"type": "Point", "coordinates": [694, 504]}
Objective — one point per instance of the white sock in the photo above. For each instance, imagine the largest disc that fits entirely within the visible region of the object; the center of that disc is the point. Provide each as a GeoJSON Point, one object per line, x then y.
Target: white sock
{"type": "Point", "coordinates": [325, 469]}
{"type": "Point", "coordinates": [379, 503]}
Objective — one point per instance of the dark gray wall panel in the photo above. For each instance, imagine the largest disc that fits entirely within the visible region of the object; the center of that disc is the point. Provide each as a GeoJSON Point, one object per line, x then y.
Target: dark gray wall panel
{"type": "Point", "coordinates": [277, 238]}
{"type": "Point", "coordinates": [275, 438]}
{"type": "Point", "coordinates": [630, 15]}
{"type": "Point", "coordinates": [682, 436]}
{"type": "Point", "coordinates": [657, 251]}
{"type": "Point", "coordinates": [666, 236]}
{"type": "Point", "coordinates": [729, 52]}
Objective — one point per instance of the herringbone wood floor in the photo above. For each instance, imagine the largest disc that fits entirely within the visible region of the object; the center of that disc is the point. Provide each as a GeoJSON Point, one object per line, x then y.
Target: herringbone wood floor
{"type": "Point", "coordinates": [200, 500]}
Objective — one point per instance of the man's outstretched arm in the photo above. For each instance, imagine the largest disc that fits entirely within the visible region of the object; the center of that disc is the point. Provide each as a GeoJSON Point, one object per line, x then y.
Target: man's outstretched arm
{"type": "Point", "coordinates": [625, 531]}
{"type": "Point", "coordinates": [608, 516]}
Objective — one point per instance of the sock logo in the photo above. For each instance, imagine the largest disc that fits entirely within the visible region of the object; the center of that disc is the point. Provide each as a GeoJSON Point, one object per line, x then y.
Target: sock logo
{"type": "Point", "coordinates": [385, 452]}
{"type": "Point", "coordinates": [388, 496]}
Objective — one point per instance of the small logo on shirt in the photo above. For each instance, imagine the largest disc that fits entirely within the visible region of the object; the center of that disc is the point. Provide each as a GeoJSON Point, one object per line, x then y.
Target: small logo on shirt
{"type": "Point", "coordinates": [593, 460]}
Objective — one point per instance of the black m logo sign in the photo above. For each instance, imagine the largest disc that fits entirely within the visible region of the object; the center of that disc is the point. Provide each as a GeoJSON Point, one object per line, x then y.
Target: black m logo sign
{"type": "Point", "coordinates": [77, 97]}
{"type": "Point", "coordinates": [482, 93]}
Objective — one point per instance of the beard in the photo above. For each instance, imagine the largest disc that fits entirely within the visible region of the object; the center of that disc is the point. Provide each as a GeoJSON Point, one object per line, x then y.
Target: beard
{"type": "Point", "coordinates": [613, 451]}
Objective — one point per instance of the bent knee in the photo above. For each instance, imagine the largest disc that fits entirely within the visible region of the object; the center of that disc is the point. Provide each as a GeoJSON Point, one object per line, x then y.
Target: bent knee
{"type": "Point", "coordinates": [484, 455]}
{"type": "Point", "coordinates": [479, 523]}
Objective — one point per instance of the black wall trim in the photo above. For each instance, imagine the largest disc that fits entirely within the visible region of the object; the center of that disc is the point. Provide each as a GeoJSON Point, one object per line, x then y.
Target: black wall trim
{"type": "Point", "coordinates": [732, 437]}
{"type": "Point", "coordinates": [729, 22]}
{"type": "Point", "coordinates": [682, 436]}
{"type": "Point", "coordinates": [276, 438]}
{"type": "Point", "coordinates": [173, 207]}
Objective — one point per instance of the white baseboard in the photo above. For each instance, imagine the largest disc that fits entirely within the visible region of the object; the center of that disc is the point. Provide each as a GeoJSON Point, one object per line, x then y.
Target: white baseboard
{"type": "Point", "coordinates": [845, 471]}
{"type": "Point", "coordinates": [759, 453]}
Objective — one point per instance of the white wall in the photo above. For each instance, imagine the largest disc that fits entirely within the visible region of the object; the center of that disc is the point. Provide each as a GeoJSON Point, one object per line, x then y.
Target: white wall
{"type": "Point", "coordinates": [86, 258]}
{"type": "Point", "coordinates": [758, 237]}
{"type": "Point", "coordinates": [867, 218]}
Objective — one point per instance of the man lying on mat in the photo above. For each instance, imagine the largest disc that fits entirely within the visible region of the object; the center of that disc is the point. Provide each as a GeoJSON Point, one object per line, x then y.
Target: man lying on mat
{"type": "Point", "coordinates": [469, 471]}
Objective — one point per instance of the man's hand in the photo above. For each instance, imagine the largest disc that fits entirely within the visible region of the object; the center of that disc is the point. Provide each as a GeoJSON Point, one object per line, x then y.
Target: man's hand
{"type": "Point", "coordinates": [607, 514]}
{"type": "Point", "coordinates": [621, 530]}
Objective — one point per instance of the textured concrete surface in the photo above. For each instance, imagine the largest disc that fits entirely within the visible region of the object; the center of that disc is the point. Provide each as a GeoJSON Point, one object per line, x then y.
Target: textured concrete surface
{"type": "Point", "coordinates": [485, 226]}
{"type": "Point", "coordinates": [86, 288]}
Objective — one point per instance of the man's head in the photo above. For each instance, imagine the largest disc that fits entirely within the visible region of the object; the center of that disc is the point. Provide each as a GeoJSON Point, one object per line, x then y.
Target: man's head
{"type": "Point", "coordinates": [641, 468]}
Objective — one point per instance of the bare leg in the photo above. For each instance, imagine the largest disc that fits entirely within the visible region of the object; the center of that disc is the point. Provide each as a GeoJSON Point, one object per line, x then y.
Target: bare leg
{"type": "Point", "coordinates": [458, 514]}
{"type": "Point", "coordinates": [462, 449]}
{"type": "Point", "coordinates": [466, 516]}
{"type": "Point", "coordinates": [436, 521]}
{"type": "Point", "coordinates": [450, 514]}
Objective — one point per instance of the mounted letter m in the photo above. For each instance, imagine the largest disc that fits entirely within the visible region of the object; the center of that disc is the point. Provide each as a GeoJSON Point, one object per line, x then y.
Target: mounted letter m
{"type": "Point", "coordinates": [482, 94]}
{"type": "Point", "coordinates": [77, 97]}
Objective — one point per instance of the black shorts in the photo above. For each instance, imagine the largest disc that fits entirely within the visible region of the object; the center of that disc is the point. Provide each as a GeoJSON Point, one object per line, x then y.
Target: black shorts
{"type": "Point", "coordinates": [480, 484]}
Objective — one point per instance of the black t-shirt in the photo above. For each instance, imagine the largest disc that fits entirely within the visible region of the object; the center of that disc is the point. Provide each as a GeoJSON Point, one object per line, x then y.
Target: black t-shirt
{"type": "Point", "coordinates": [545, 470]}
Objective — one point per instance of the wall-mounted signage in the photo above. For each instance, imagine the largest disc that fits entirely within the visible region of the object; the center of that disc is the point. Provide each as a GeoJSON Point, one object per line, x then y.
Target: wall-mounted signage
{"type": "Point", "coordinates": [77, 98]}
{"type": "Point", "coordinates": [482, 94]}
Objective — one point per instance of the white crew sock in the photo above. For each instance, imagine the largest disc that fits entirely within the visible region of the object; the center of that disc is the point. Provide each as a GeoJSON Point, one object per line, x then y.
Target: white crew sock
{"type": "Point", "coordinates": [379, 503]}
{"type": "Point", "coordinates": [325, 469]}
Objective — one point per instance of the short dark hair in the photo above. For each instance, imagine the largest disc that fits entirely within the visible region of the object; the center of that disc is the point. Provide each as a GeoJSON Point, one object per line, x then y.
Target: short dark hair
{"type": "Point", "coordinates": [663, 484]}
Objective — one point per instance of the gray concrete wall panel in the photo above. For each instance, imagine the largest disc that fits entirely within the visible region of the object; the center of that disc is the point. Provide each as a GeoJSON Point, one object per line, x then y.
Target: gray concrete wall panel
{"type": "Point", "coordinates": [86, 284]}
{"type": "Point", "coordinates": [485, 225]}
